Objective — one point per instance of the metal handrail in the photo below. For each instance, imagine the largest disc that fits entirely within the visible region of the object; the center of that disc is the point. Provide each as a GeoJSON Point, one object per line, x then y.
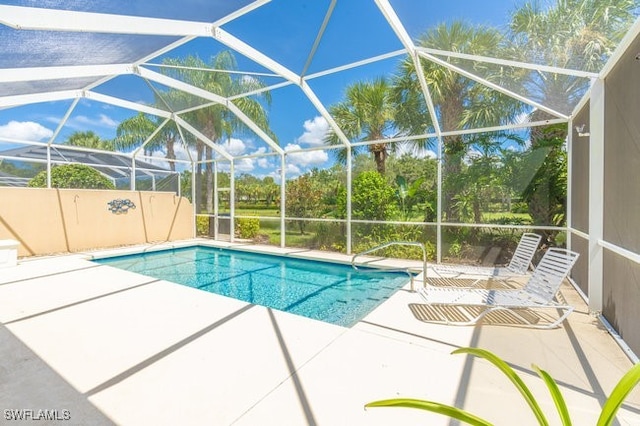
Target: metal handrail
{"type": "Point", "coordinates": [397, 243]}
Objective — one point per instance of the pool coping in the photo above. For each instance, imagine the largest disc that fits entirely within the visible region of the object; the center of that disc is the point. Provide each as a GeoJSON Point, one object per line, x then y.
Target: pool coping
{"type": "Point", "coordinates": [409, 273]}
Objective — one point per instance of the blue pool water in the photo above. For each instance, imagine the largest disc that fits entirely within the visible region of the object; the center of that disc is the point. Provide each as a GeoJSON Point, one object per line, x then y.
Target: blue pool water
{"type": "Point", "coordinates": [328, 292]}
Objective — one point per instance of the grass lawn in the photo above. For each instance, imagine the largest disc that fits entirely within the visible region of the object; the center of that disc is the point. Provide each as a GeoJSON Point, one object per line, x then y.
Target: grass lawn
{"type": "Point", "coordinates": [489, 216]}
{"type": "Point", "coordinates": [258, 212]}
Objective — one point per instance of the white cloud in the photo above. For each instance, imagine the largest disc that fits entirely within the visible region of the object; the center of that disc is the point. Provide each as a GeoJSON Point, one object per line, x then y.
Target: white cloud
{"type": "Point", "coordinates": [182, 153]}
{"type": "Point", "coordinates": [314, 131]}
{"type": "Point", "coordinates": [234, 146]}
{"type": "Point", "coordinates": [306, 158]}
{"type": "Point", "coordinates": [292, 170]}
{"type": "Point", "coordinates": [263, 163]}
{"type": "Point", "coordinates": [107, 121]}
{"type": "Point", "coordinates": [244, 165]}
{"type": "Point", "coordinates": [471, 155]}
{"type": "Point", "coordinates": [82, 122]}
{"type": "Point", "coordinates": [25, 130]}
{"type": "Point", "coordinates": [415, 151]}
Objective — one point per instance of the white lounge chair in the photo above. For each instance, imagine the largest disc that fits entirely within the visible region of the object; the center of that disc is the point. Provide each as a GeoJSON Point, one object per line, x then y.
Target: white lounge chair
{"type": "Point", "coordinates": [518, 266]}
{"type": "Point", "coordinates": [538, 292]}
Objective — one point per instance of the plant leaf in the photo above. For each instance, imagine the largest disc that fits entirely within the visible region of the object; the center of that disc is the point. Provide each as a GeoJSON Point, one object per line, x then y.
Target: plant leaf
{"type": "Point", "coordinates": [619, 393]}
{"type": "Point", "coordinates": [415, 186]}
{"type": "Point", "coordinates": [402, 187]}
{"type": "Point", "coordinates": [515, 379]}
{"type": "Point", "coordinates": [434, 407]}
{"type": "Point", "coordinates": [401, 181]}
{"type": "Point", "coordinates": [558, 399]}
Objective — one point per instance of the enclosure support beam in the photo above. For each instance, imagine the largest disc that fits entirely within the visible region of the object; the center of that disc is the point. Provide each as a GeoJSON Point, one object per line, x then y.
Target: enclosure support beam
{"type": "Point", "coordinates": [133, 174]}
{"type": "Point", "coordinates": [569, 205]}
{"type": "Point", "coordinates": [283, 199]}
{"type": "Point", "coordinates": [49, 166]}
{"type": "Point", "coordinates": [349, 179]}
{"type": "Point", "coordinates": [193, 198]}
{"type": "Point", "coordinates": [232, 201]}
{"type": "Point", "coordinates": [216, 205]}
{"type": "Point", "coordinates": [596, 195]}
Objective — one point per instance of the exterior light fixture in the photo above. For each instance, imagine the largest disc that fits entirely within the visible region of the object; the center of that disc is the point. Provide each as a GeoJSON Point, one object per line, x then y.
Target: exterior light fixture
{"type": "Point", "coordinates": [581, 131]}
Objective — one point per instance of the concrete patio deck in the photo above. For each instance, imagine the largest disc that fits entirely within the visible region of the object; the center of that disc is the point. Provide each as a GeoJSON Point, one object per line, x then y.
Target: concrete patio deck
{"type": "Point", "coordinates": [115, 347]}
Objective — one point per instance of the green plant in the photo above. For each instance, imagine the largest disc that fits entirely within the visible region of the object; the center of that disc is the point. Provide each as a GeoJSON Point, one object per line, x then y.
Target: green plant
{"type": "Point", "coordinates": [247, 228]}
{"type": "Point", "coordinates": [72, 176]}
{"type": "Point", "coordinates": [372, 198]}
{"type": "Point", "coordinates": [202, 225]}
{"type": "Point", "coordinates": [455, 249]}
{"type": "Point", "coordinates": [607, 415]}
{"type": "Point", "coordinates": [407, 194]}
{"type": "Point", "coordinates": [303, 199]}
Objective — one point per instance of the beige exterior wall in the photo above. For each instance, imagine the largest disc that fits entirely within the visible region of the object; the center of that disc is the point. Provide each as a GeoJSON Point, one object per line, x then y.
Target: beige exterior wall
{"type": "Point", "coordinates": [47, 221]}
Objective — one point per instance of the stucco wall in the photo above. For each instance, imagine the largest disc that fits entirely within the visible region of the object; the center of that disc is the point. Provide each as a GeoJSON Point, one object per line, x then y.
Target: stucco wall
{"type": "Point", "coordinates": [48, 221]}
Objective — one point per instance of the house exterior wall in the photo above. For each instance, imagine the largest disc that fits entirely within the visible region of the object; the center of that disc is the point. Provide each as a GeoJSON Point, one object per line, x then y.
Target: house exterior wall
{"type": "Point", "coordinates": [580, 196]}
{"type": "Point", "coordinates": [621, 277]}
{"type": "Point", "coordinates": [47, 221]}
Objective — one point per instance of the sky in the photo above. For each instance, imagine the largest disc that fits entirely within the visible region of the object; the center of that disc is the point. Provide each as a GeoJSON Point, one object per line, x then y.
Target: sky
{"type": "Point", "coordinates": [284, 30]}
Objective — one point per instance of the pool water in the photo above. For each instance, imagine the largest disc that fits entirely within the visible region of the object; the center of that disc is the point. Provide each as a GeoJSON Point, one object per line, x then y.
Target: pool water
{"type": "Point", "coordinates": [329, 292]}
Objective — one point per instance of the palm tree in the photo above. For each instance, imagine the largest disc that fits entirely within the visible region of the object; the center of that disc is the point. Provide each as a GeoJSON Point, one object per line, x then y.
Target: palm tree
{"type": "Point", "coordinates": [367, 113]}
{"type": "Point", "coordinates": [89, 139]}
{"type": "Point", "coordinates": [134, 131]}
{"type": "Point", "coordinates": [459, 102]}
{"type": "Point", "coordinates": [573, 34]}
{"type": "Point", "coordinates": [217, 121]}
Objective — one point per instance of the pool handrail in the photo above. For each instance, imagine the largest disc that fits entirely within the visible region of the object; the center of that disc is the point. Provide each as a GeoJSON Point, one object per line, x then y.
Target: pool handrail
{"type": "Point", "coordinates": [394, 243]}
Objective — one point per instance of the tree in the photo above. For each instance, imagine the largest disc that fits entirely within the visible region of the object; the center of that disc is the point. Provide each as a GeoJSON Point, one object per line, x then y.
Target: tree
{"type": "Point", "coordinates": [573, 34]}
{"type": "Point", "coordinates": [366, 114]}
{"type": "Point", "coordinates": [372, 198]}
{"type": "Point", "coordinates": [89, 139]}
{"type": "Point", "coordinates": [217, 121]}
{"type": "Point", "coordinates": [408, 195]}
{"type": "Point", "coordinates": [271, 190]}
{"type": "Point", "coordinates": [543, 180]}
{"type": "Point", "coordinates": [460, 103]}
{"type": "Point", "coordinates": [72, 176]}
{"type": "Point", "coordinates": [303, 199]}
{"type": "Point", "coordinates": [414, 169]}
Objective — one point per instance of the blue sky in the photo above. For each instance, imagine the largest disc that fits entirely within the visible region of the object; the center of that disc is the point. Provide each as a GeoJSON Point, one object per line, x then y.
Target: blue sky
{"type": "Point", "coordinates": [284, 30]}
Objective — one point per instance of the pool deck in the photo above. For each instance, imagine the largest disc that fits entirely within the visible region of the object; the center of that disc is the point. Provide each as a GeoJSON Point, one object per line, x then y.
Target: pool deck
{"type": "Point", "coordinates": [115, 347]}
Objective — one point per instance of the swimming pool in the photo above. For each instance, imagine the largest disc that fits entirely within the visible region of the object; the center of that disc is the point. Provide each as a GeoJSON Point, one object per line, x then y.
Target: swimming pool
{"type": "Point", "coordinates": [325, 291]}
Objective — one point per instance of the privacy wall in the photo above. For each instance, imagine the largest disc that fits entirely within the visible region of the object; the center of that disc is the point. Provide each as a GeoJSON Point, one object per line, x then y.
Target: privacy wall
{"type": "Point", "coordinates": [580, 196]}
{"type": "Point", "coordinates": [621, 287]}
{"type": "Point", "coordinates": [47, 221]}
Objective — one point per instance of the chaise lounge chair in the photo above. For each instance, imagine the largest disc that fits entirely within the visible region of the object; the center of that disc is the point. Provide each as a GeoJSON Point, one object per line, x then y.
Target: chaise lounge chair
{"type": "Point", "coordinates": [517, 267]}
{"type": "Point", "coordinates": [538, 292]}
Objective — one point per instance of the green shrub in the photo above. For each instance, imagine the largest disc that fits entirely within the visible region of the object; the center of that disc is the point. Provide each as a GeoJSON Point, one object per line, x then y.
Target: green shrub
{"type": "Point", "coordinates": [519, 207]}
{"type": "Point", "coordinates": [247, 228]}
{"type": "Point", "coordinates": [329, 236]}
{"type": "Point", "coordinates": [202, 225]}
{"type": "Point", "coordinates": [72, 176]}
{"type": "Point", "coordinates": [372, 198]}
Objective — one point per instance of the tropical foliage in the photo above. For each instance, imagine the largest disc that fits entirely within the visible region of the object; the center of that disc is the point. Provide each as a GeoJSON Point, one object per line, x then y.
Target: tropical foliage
{"type": "Point", "coordinates": [72, 176]}
{"type": "Point", "coordinates": [368, 114]}
{"type": "Point", "coordinates": [515, 177]}
{"type": "Point", "coordinates": [606, 418]}
{"type": "Point", "coordinates": [89, 139]}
